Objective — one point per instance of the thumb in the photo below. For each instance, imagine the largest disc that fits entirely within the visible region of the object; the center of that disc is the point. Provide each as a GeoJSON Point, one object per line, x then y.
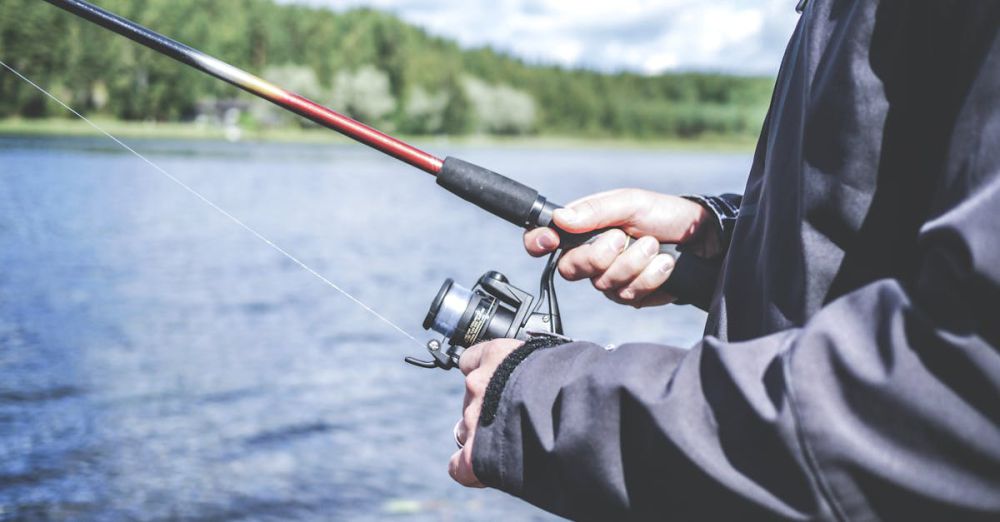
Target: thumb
{"type": "Point", "coordinates": [606, 209]}
{"type": "Point", "coordinates": [471, 358]}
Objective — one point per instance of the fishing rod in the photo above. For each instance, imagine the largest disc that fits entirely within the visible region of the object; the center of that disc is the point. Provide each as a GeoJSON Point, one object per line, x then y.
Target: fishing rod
{"type": "Point", "coordinates": [493, 192]}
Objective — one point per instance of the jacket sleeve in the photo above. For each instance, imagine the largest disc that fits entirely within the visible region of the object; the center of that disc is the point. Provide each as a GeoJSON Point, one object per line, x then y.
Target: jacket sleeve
{"type": "Point", "coordinates": [694, 277]}
{"type": "Point", "coordinates": [724, 209]}
{"type": "Point", "coordinates": [883, 405]}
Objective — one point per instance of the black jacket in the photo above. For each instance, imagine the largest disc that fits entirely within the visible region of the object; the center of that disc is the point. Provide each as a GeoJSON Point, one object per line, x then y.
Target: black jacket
{"type": "Point", "coordinates": [851, 367]}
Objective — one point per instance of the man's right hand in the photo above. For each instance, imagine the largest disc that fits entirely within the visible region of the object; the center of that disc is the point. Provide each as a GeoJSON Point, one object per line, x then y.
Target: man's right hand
{"type": "Point", "coordinates": [630, 275]}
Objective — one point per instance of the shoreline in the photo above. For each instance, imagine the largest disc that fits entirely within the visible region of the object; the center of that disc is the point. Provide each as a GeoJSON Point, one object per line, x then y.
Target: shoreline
{"type": "Point", "coordinates": [55, 127]}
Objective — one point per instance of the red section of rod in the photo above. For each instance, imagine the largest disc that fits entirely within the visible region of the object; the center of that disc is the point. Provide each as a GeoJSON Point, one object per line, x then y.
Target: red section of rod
{"type": "Point", "coordinates": [194, 58]}
{"type": "Point", "coordinates": [363, 133]}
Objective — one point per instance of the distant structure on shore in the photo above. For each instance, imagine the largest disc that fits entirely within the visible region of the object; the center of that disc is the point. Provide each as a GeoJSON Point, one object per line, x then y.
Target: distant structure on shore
{"type": "Point", "coordinates": [226, 113]}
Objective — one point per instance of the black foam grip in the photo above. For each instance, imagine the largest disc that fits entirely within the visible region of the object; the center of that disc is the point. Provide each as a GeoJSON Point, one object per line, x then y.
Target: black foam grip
{"type": "Point", "coordinates": [495, 193]}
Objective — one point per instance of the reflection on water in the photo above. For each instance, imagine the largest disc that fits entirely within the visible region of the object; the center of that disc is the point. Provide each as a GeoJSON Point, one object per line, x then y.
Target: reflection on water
{"type": "Point", "coordinates": [157, 361]}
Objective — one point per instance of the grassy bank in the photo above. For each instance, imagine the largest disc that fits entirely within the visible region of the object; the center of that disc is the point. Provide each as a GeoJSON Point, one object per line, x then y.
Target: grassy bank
{"type": "Point", "coordinates": [192, 131]}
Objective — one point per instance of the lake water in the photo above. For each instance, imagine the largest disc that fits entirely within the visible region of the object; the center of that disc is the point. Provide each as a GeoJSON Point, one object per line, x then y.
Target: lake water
{"type": "Point", "coordinates": [159, 362]}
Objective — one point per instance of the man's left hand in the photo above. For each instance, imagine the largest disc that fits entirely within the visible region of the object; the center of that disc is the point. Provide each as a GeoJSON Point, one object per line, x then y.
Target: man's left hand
{"type": "Point", "coordinates": [478, 364]}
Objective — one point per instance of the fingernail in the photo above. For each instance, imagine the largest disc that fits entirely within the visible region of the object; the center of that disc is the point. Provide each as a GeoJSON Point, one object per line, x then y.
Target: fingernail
{"type": "Point", "coordinates": [650, 246]}
{"type": "Point", "coordinates": [567, 214]}
{"type": "Point", "coordinates": [667, 264]}
{"type": "Point", "coordinates": [617, 242]}
{"type": "Point", "coordinates": [628, 293]}
{"type": "Point", "coordinates": [545, 242]}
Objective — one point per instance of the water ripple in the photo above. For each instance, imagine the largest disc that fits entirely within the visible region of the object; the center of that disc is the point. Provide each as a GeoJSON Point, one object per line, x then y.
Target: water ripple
{"type": "Point", "coordinates": [290, 433]}
{"type": "Point", "coordinates": [43, 395]}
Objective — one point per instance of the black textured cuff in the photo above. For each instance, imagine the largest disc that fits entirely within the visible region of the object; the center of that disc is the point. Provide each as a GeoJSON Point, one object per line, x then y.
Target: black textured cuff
{"type": "Point", "coordinates": [494, 390]}
{"type": "Point", "coordinates": [725, 208]}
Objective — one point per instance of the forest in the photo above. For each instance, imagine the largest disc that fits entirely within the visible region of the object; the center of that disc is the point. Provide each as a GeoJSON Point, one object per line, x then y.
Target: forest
{"type": "Point", "coordinates": [364, 62]}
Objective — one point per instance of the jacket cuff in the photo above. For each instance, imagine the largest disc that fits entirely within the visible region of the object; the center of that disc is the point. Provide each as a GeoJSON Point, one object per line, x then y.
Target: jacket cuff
{"type": "Point", "coordinates": [725, 209]}
{"type": "Point", "coordinates": [494, 390]}
{"type": "Point", "coordinates": [490, 453]}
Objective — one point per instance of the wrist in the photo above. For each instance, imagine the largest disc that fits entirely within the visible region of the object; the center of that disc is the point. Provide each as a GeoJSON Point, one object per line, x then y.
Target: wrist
{"type": "Point", "coordinates": [715, 223]}
{"type": "Point", "coordinates": [498, 381]}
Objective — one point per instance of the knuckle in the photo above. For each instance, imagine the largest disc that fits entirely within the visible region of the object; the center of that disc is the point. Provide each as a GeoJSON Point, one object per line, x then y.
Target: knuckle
{"type": "Point", "coordinates": [604, 258]}
{"type": "Point", "coordinates": [574, 268]}
{"type": "Point", "coordinates": [657, 271]}
{"type": "Point", "coordinates": [645, 282]}
{"type": "Point", "coordinates": [614, 279]}
{"type": "Point", "coordinates": [637, 259]}
{"type": "Point", "coordinates": [591, 206]}
{"type": "Point", "coordinates": [603, 262]}
{"type": "Point", "coordinates": [475, 384]}
{"type": "Point", "coordinates": [618, 277]}
{"type": "Point", "coordinates": [489, 347]}
{"type": "Point", "coordinates": [472, 351]}
{"type": "Point", "coordinates": [469, 418]}
{"type": "Point", "coordinates": [632, 266]}
{"type": "Point", "coordinates": [643, 204]}
{"type": "Point", "coordinates": [469, 358]}
{"type": "Point", "coordinates": [467, 460]}
{"type": "Point", "coordinates": [643, 286]}
{"type": "Point", "coordinates": [613, 296]}
{"type": "Point", "coordinates": [495, 358]}
{"type": "Point", "coordinates": [636, 201]}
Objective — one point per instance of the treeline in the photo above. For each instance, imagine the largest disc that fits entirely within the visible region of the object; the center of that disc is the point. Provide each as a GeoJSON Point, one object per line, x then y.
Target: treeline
{"type": "Point", "coordinates": [364, 62]}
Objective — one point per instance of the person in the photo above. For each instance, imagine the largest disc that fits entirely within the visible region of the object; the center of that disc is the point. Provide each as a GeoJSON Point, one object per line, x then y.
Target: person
{"type": "Point", "coordinates": [851, 363]}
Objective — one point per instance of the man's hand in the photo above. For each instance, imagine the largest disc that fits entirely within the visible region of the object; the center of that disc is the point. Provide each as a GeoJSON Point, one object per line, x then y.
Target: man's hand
{"type": "Point", "coordinates": [627, 275]}
{"type": "Point", "coordinates": [478, 364]}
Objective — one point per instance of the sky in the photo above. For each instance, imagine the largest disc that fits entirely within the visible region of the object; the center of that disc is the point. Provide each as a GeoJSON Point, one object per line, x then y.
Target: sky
{"type": "Point", "coordinates": [648, 36]}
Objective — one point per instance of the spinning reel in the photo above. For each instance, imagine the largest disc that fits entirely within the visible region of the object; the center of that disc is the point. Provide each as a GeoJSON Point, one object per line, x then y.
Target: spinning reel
{"type": "Point", "coordinates": [492, 309]}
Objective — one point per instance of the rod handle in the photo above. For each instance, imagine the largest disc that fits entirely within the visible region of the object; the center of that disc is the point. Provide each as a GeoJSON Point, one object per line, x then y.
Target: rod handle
{"type": "Point", "coordinates": [691, 282]}
{"type": "Point", "coordinates": [492, 192]}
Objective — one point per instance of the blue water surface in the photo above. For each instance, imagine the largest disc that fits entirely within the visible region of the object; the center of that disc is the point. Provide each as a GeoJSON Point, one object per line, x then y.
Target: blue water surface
{"type": "Point", "coordinates": [159, 362]}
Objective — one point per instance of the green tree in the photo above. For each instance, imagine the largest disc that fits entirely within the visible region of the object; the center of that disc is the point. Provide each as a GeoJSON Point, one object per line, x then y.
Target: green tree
{"type": "Point", "coordinates": [377, 68]}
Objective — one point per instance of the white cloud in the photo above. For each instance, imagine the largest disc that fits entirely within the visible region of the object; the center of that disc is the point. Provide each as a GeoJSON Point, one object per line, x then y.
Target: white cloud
{"type": "Point", "coordinates": [649, 36]}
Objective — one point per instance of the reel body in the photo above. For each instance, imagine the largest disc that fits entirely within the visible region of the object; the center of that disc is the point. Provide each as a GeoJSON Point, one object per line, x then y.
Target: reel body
{"type": "Point", "coordinates": [492, 309]}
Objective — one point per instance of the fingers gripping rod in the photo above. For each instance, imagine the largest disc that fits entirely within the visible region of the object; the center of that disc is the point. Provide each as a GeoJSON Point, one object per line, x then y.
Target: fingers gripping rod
{"type": "Point", "coordinates": [526, 208]}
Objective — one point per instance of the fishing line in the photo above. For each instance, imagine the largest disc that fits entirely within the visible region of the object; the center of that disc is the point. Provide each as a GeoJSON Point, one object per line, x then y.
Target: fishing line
{"type": "Point", "coordinates": [219, 209]}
